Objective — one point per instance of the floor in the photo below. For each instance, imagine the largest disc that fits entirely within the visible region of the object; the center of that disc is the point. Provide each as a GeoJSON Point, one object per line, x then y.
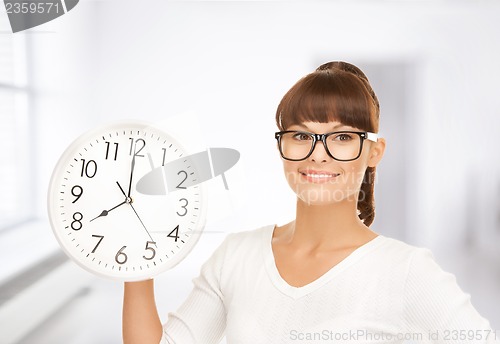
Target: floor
{"type": "Point", "coordinates": [94, 315]}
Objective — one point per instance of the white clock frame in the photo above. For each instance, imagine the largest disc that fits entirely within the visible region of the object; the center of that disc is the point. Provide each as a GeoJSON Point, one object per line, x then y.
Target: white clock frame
{"type": "Point", "coordinates": [99, 219]}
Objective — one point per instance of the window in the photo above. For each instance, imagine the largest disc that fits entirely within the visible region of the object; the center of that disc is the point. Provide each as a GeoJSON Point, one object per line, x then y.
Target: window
{"type": "Point", "coordinates": [15, 128]}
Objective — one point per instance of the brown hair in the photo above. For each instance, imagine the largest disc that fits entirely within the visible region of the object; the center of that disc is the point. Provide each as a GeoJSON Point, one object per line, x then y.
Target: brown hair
{"type": "Point", "coordinates": [336, 91]}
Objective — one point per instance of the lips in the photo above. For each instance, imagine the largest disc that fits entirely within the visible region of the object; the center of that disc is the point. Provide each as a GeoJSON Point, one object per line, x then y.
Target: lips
{"type": "Point", "coordinates": [315, 176]}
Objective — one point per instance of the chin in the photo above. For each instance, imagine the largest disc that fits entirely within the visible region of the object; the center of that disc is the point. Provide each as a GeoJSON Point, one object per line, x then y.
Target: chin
{"type": "Point", "coordinates": [324, 196]}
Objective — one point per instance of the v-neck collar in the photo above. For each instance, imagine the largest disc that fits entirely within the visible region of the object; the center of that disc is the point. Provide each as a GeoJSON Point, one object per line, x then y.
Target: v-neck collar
{"type": "Point", "coordinates": [298, 292]}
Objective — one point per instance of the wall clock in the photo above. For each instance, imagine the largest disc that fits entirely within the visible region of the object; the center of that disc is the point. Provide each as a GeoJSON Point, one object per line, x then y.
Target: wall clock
{"type": "Point", "coordinates": [104, 223]}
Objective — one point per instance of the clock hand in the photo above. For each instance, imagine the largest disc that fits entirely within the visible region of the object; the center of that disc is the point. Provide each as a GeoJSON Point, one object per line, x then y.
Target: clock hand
{"type": "Point", "coordinates": [142, 223]}
{"type": "Point", "coordinates": [131, 174]}
{"type": "Point", "coordinates": [123, 192]}
{"type": "Point", "coordinates": [129, 201]}
{"type": "Point", "coordinates": [106, 212]}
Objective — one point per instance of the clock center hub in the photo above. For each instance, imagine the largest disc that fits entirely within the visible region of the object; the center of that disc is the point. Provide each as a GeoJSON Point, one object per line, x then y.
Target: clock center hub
{"type": "Point", "coordinates": [129, 200]}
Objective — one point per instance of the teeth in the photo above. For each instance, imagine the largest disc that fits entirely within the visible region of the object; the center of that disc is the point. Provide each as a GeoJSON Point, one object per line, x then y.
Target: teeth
{"type": "Point", "coordinates": [320, 175]}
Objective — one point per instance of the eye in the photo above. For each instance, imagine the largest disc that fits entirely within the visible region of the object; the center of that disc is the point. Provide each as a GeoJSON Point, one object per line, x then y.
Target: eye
{"type": "Point", "coordinates": [343, 137]}
{"type": "Point", "coordinates": [300, 136]}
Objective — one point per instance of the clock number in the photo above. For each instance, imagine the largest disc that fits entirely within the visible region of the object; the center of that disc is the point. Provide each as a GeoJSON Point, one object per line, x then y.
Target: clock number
{"type": "Point", "coordinates": [176, 235]}
{"type": "Point", "coordinates": [121, 257]}
{"type": "Point", "coordinates": [107, 149]}
{"type": "Point", "coordinates": [89, 172]}
{"type": "Point", "coordinates": [99, 242]}
{"type": "Point", "coordinates": [183, 207]}
{"type": "Point", "coordinates": [153, 252]}
{"type": "Point", "coordinates": [76, 191]}
{"type": "Point", "coordinates": [76, 225]}
{"type": "Point", "coordinates": [164, 154]}
{"type": "Point", "coordinates": [185, 177]}
{"type": "Point", "coordinates": [136, 150]}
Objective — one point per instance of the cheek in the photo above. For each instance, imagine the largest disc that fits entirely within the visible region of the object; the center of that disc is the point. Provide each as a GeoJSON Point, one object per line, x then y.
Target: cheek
{"type": "Point", "coordinates": [354, 171]}
{"type": "Point", "coordinates": [353, 175]}
{"type": "Point", "coordinates": [292, 175]}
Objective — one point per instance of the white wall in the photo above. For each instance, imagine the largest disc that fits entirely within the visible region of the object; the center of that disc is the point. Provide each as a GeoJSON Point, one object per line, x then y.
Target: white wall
{"type": "Point", "coordinates": [229, 63]}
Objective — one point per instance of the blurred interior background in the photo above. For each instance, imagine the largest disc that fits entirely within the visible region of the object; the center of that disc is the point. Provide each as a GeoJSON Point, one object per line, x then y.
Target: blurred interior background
{"type": "Point", "coordinates": [226, 65]}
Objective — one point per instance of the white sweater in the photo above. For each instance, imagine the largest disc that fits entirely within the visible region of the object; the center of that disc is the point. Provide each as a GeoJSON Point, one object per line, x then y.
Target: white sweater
{"type": "Point", "coordinates": [386, 291]}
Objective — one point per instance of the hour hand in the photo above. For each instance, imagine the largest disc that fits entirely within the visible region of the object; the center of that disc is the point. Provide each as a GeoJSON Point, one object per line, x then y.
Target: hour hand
{"type": "Point", "coordinates": [106, 212]}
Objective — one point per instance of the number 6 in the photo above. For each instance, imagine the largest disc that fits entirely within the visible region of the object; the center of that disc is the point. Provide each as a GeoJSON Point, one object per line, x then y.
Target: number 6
{"type": "Point", "coordinates": [121, 254]}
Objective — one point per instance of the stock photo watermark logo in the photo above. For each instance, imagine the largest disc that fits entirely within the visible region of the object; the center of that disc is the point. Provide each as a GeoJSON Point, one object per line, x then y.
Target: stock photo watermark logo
{"type": "Point", "coordinates": [24, 15]}
{"type": "Point", "coordinates": [366, 336]}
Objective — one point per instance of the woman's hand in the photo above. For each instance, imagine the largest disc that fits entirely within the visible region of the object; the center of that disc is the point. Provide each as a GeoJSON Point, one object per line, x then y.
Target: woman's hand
{"type": "Point", "coordinates": [140, 322]}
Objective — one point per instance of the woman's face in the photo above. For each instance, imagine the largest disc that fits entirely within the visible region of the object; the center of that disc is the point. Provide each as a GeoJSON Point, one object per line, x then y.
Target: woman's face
{"type": "Point", "coordinates": [320, 179]}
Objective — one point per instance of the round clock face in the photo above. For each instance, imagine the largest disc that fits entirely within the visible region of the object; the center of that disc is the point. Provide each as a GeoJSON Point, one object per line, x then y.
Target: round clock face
{"type": "Point", "coordinates": [103, 221]}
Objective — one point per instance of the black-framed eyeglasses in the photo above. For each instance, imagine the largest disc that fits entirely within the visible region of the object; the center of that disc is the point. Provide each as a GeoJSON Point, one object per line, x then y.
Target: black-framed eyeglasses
{"type": "Point", "coordinates": [340, 145]}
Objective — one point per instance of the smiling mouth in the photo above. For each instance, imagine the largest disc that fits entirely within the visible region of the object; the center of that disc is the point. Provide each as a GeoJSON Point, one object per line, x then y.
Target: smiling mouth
{"type": "Point", "coordinates": [319, 177]}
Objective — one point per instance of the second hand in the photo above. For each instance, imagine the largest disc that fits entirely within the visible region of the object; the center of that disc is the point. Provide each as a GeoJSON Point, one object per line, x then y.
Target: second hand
{"type": "Point", "coordinates": [129, 201]}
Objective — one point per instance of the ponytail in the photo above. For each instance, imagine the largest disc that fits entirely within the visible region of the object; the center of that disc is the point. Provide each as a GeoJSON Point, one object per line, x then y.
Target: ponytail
{"type": "Point", "coordinates": [366, 200]}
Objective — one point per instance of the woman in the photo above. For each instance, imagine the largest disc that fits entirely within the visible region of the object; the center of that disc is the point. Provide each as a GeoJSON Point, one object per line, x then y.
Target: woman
{"type": "Point", "coordinates": [326, 276]}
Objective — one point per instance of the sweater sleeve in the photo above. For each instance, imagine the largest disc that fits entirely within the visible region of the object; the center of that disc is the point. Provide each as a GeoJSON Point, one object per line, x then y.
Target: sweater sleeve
{"type": "Point", "coordinates": [202, 316]}
{"type": "Point", "coordinates": [438, 309]}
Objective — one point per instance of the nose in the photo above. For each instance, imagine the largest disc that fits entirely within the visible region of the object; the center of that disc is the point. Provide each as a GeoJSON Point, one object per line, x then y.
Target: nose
{"type": "Point", "coordinates": [319, 154]}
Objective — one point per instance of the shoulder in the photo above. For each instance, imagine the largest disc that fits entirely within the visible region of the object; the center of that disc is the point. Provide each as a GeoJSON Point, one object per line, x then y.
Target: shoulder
{"type": "Point", "coordinates": [243, 243]}
{"type": "Point", "coordinates": [422, 272]}
{"type": "Point", "coordinates": [420, 260]}
{"type": "Point", "coordinates": [399, 245]}
{"type": "Point", "coordinates": [397, 259]}
{"type": "Point", "coordinates": [239, 252]}
{"type": "Point", "coordinates": [249, 236]}
{"type": "Point", "coordinates": [395, 250]}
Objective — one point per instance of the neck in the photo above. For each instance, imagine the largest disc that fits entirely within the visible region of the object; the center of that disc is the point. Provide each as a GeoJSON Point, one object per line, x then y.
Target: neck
{"type": "Point", "coordinates": [327, 226]}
